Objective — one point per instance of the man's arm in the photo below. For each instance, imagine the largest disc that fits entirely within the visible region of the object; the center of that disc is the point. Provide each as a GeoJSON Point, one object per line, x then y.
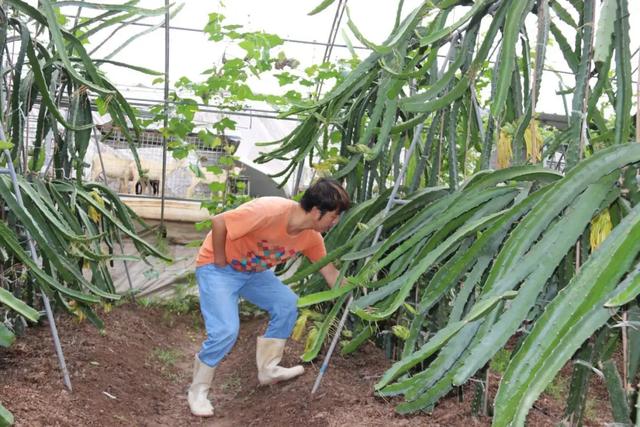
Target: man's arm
{"type": "Point", "coordinates": [219, 237]}
{"type": "Point", "coordinates": [330, 274]}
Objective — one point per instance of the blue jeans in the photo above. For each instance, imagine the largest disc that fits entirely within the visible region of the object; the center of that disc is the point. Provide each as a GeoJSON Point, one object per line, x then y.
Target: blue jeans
{"type": "Point", "coordinates": [220, 288]}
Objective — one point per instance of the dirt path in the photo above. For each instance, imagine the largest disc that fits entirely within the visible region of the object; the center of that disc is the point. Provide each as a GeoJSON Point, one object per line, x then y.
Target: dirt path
{"type": "Point", "coordinates": [136, 374]}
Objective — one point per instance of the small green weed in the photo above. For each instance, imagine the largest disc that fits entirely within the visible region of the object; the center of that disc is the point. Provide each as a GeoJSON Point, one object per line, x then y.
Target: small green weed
{"type": "Point", "coordinates": [559, 388]}
{"type": "Point", "coordinates": [590, 410]}
{"type": "Point", "coordinates": [164, 360]}
{"type": "Point", "coordinates": [168, 357]}
{"type": "Point", "coordinates": [232, 384]}
{"type": "Point", "coordinates": [183, 301]}
{"type": "Point", "coordinates": [500, 361]}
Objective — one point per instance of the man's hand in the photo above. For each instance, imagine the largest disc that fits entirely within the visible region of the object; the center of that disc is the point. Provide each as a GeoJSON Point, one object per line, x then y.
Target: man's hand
{"type": "Point", "coordinates": [330, 274]}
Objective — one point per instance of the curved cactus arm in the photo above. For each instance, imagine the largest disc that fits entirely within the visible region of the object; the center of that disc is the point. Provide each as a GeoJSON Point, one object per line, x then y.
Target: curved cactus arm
{"type": "Point", "coordinates": [438, 340]}
{"type": "Point", "coordinates": [556, 196]}
{"type": "Point", "coordinates": [447, 357]}
{"type": "Point", "coordinates": [48, 209]}
{"type": "Point", "coordinates": [628, 292]}
{"type": "Point", "coordinates": [416, 202]}
{"type": "Point", "coordinates": [323, 296]}
{"type": "Point", "coordinates": [9, 241]}
{"type": "Point", "coordinates": [511, 32]}
{"type": "Point", "coordinates": [617, 393]}
{"type": "Point", "coordinates": [461, 206]}
{"type": "Point", "coordinates": [358, 339]}
{"type": "Point", "coordinates": [131, 234]}
{"type": "Point", "coordinates": [401, 260]}
{"type": "Point", "coordinates": [434, 250]}
{"type": "Point", "coordinates": [554, 202]}
{"type": "Point", "coordinates": [576, 312]}
{"type": "Point", "coordinates": [427, 400]}
{"type": "Point", "coordinates": [439, 367]}
{"type": "Point", "coordinates": [6, 418]}
{"type": "Point", "coordinates": [409, 279]}
{"type": "Point", "coordinates": [421, 223]}
{"type": "Point", "coordinates": [433, 345]}
{"type": "Point", "coordinates": [423, 397]}
{"type": "Point", "coordinates": [41, 233]}
{"type": "Point", "coordinates": [489, 241]}
{"type": "Point", "coordinates": [6, 336]}
{"type": "Point", "coordinates": [555, 361]}
{"type": "Point", "coordinates": [547, 254]}
{"type": "Point", "coordinates": [7, 299]}
{"type": "Point", "coordinates": [316, 266]}
{"type": "Point", "coordinates": [313, 351]}
{"type": "Point", "coordinates": [487, 178]}
{"type": "Point", "coordinates": [474, 277]}
{"type": "Point", "coordinates": [363, 253]}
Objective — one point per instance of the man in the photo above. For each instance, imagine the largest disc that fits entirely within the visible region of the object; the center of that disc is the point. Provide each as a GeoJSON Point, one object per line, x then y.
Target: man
{"type": "Point", "coordinates": [235, 261]}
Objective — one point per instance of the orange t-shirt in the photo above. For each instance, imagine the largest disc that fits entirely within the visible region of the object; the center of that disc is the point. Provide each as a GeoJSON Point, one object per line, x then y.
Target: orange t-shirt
{"type": "Point", "coordinates": [257, 237]}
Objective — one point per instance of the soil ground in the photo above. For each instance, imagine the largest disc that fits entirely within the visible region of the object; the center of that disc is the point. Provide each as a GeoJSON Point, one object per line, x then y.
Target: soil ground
{"type": "Point", "coordinates": [137, 373]}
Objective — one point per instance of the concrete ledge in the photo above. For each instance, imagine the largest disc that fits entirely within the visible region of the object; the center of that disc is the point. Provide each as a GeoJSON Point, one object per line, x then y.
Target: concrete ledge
{"type": "Point", "coordinates": [174, 210]}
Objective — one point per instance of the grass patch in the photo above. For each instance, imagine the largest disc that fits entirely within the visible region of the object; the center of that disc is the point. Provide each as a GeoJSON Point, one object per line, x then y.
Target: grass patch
{"type": "Point", "coordinates": [167, 357]}
{"type": "Point", "coordinates": [590, 411]}
{"type": "Point", "coordinates": [184, 300]}
{"type": "Point", "coordinates": [232, 384]}
{"type": "Point", "coordinates": [500, 361]}
{"type": "Point", "coordinates": [165, 360]}
{"type": "Point", "coordinates": [559, 388]}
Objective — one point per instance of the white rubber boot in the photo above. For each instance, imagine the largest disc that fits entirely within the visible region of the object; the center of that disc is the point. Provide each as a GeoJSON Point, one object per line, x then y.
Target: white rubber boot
{"type": "Point", "coordinates": [197, 395]}
{"type": "Point", "coordinates": [268, 355]}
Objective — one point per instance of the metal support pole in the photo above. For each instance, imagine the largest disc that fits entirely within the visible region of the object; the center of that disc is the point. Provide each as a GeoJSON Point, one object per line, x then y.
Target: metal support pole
{"type": "Point", "coordinates": [104, 176]}
{"type": "Point", "coordinates": [166, 114]}
{"type": "Point", "coordinates": [333, 33]}
{"type": "Point", "coordinates": [387, 208]}
{"type": "Point", "coordinates": [45, 299]}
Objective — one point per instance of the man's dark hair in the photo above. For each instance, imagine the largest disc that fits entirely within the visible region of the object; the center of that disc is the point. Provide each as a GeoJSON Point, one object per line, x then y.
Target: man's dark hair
{"type": "Point", "coordinates": [327, 195]}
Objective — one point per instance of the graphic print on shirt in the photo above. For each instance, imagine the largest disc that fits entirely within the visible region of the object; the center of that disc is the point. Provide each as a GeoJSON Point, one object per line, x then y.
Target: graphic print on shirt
{"type": "Point", "coordinates": [267, 257]}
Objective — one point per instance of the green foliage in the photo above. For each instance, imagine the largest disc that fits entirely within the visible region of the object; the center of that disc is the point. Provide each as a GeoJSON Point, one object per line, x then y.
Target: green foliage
{"type": "Point", "coordinates": [505, 233]}
{"type": "Point", "coordinates": [184, 299]}
{"type": "Point", "coordinates": [74, 226]}
{"type": "Point", "coordinates": [6, 336]}
{"type": "Point", "coordinates": [500, 361]}
{"type": "Point", "coordinates": [6, 419]}
{"type": "Point", "coordinates": [488, 250]}
{"type": "Point", "coordinates": [558, 388]}
{"type": "Point", "coordinates": [164, 360]}
{"type": "Point", "coordinates": [617, 393]}
{"type": "Point", "coordinates": [167, 357]}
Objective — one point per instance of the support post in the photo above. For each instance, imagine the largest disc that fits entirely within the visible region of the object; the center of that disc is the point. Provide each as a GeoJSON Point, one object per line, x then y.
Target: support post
{"type": "Point", "coordinates": [166, 114]}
